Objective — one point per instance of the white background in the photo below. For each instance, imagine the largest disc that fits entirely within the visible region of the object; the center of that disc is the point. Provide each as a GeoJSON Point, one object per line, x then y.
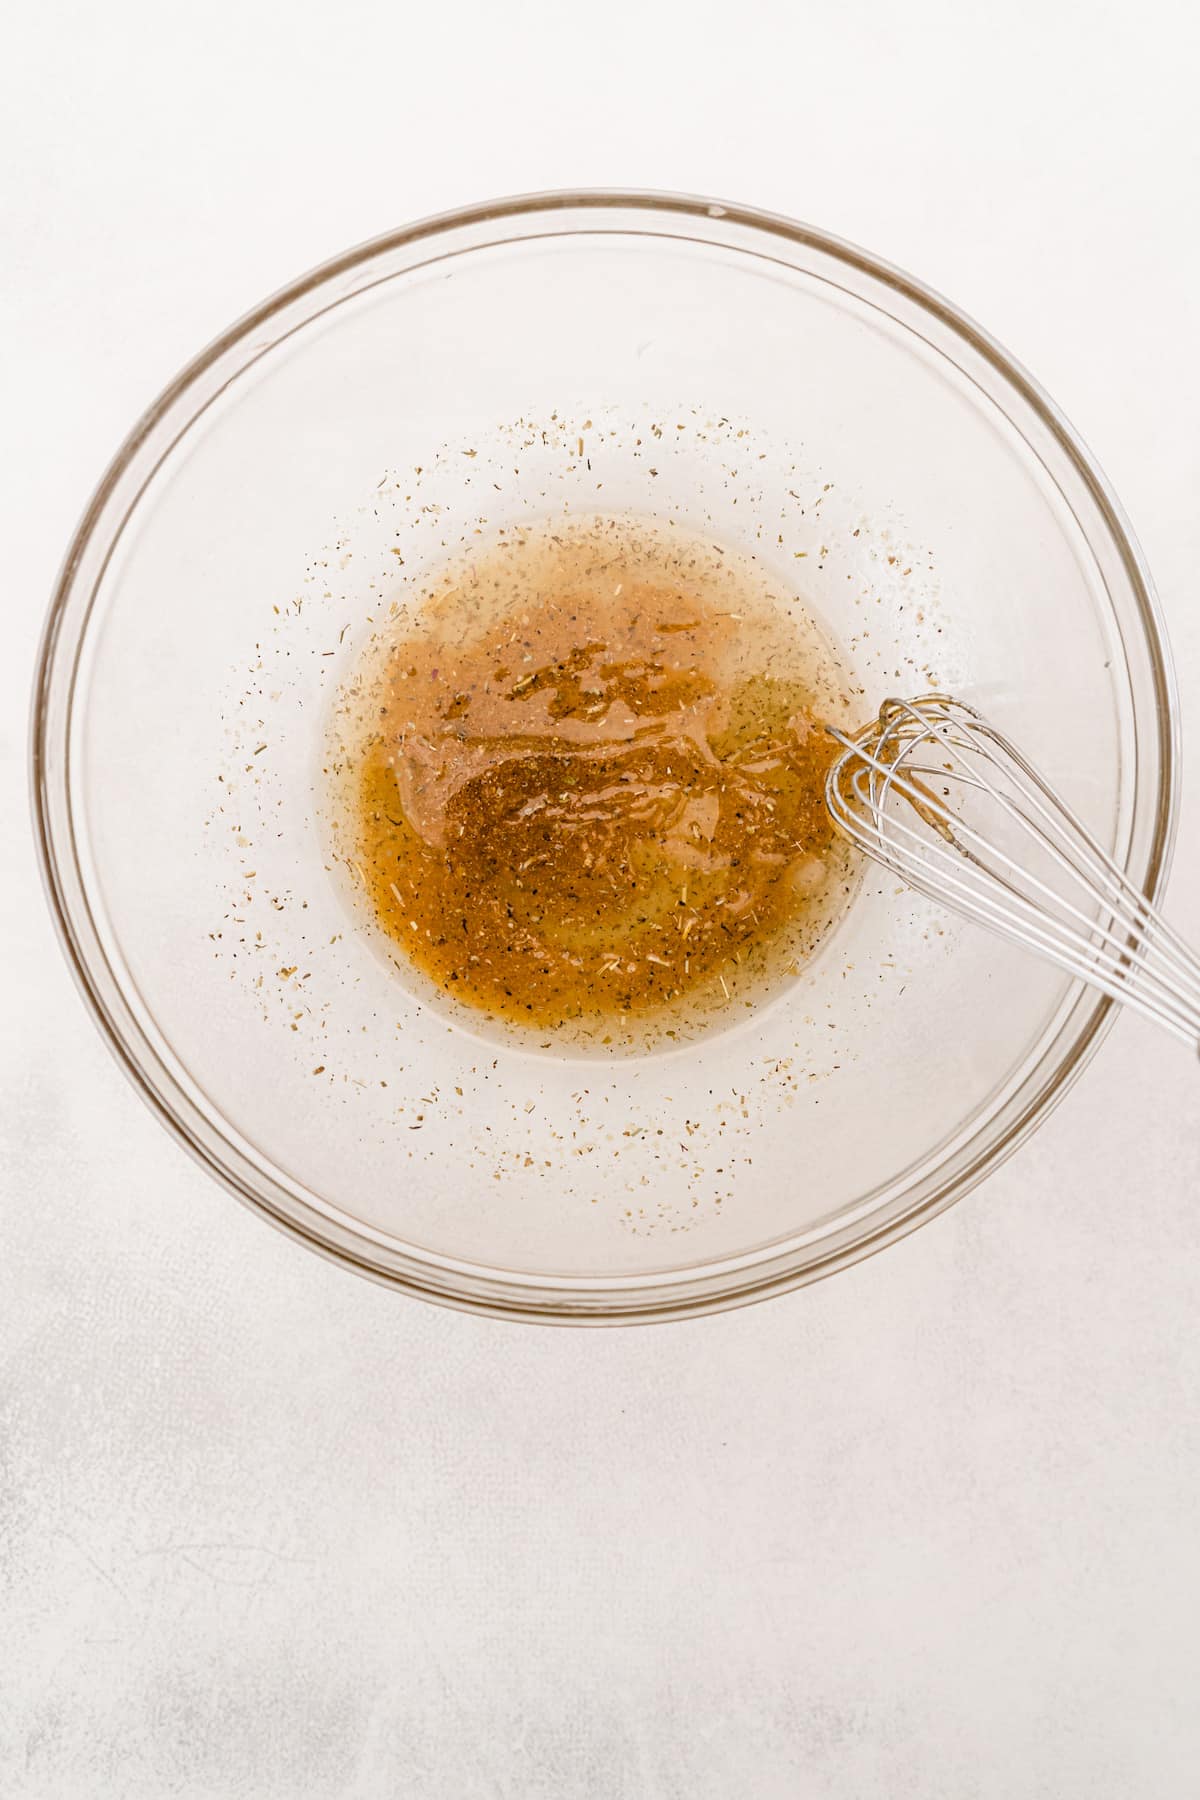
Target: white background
{"type": "Point", "coordinates": [926, 1530]}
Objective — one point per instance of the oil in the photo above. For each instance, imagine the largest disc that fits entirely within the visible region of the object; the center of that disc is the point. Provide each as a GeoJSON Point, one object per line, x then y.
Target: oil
{"type": "Point", "coordinates": [580, 780]}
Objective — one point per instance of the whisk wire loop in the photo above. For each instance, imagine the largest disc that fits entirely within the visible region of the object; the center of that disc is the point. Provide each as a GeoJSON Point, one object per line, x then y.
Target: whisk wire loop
{"type": "Point", "coordinates": [935, 793]}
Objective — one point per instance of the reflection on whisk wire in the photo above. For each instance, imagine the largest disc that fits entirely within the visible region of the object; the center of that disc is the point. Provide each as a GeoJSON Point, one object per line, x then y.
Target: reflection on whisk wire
{"type": "Point", "coordinates": [935, 793]}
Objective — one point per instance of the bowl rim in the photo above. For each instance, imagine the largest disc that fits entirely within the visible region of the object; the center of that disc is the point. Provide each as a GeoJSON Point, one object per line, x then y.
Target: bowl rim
{"type": "Point", "coordinates": [547, 1299]}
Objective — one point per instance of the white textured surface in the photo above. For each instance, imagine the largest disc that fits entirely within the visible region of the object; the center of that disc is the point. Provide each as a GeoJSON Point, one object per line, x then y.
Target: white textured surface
{"type": "Point", "coordinates": [927, 1530]}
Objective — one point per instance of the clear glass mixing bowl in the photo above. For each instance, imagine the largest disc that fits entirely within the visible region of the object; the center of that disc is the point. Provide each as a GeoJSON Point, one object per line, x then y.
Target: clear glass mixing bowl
{"type": "Point", "coordinates": [750, 378]}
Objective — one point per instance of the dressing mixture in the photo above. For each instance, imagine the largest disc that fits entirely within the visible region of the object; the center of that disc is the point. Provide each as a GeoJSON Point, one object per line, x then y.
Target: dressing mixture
{"type": "Point", "coordinates": [581, 784]}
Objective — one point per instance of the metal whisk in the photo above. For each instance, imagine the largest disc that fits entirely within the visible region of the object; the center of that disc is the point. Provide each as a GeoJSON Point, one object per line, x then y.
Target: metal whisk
{"type": "Point", "coordinates": [935, 793]}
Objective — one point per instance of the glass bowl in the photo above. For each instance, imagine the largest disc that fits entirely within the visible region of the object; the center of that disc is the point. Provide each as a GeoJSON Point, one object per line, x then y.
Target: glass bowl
{"type": "Point", "coordinates": [742, 376]}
